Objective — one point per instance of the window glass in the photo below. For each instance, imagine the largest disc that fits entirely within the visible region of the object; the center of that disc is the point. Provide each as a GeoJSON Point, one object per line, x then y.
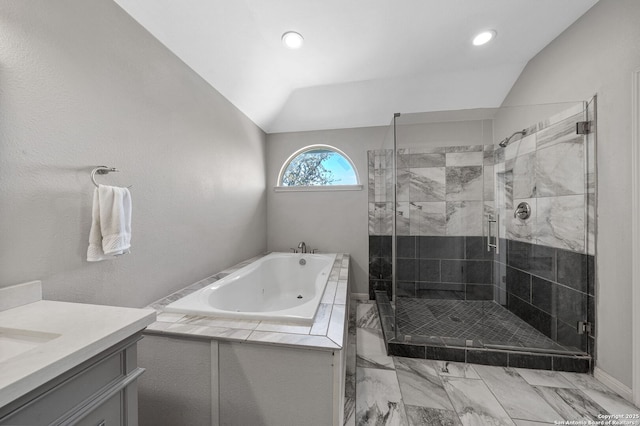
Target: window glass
{"type": "Point", "coordinates": [318, 166]}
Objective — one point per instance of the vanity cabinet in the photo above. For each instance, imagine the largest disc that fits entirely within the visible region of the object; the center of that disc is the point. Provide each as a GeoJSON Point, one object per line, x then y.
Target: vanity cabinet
{"type": "Point", "coordinates": [102, 391]}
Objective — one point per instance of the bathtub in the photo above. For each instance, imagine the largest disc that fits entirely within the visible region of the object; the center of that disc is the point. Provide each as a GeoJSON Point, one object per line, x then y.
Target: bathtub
{"type": "Point", "coordinates": [285, 287]}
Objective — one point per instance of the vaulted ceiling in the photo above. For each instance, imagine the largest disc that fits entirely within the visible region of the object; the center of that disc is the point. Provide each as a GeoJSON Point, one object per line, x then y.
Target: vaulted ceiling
{"type": "Point", "coordinates": [362, 60]}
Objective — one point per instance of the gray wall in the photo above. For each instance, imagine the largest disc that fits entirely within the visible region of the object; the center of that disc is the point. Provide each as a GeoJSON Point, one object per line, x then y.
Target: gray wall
{"type": "Point", "coordinates": [337, 221]}
{"type": "Point", "coordinates": [81, 85]}
{"type": "Point", "coordinates": [332, 221]}
{"type": "Point", "coordinates": [597, 54]}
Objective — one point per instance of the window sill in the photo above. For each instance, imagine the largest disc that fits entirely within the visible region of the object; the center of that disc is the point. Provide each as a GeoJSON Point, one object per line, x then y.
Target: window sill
{"type": "Point", "coordinates": [318, 188]}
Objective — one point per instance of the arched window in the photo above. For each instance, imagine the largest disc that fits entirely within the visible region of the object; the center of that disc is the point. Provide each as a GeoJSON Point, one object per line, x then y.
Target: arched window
{"type": "Point", "coordinates": [318, 167]}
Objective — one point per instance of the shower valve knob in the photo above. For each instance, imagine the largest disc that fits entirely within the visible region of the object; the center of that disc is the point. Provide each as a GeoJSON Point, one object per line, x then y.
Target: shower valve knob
{"type": "Point", "coordinates": [523, 211]}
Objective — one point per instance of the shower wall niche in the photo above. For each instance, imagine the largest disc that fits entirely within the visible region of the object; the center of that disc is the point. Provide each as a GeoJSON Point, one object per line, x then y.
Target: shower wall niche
{"type": "Point", "coordinates": [449, 198]}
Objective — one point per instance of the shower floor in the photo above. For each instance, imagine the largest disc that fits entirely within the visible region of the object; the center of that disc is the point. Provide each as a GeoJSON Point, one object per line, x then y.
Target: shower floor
{"type": "Point", "coordinates": [469, 323]}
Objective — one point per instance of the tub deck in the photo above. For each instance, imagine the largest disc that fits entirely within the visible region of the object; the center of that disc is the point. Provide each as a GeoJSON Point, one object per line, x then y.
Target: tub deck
{"type": "Point", "coordinates": [328, 331]}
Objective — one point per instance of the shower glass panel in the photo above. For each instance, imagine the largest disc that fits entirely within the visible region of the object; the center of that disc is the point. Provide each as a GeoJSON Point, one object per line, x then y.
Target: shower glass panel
{"type": "Point", "coordinates": [477, 276]}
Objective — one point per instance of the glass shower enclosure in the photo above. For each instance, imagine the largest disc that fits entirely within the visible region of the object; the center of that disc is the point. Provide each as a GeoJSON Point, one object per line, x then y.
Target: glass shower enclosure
{"type": "Point", "coordinates": [482, 235]}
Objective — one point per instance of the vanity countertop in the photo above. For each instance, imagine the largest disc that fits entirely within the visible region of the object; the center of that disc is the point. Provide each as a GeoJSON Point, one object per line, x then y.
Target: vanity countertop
{"type": "Point", "coordinates": [41, 340]}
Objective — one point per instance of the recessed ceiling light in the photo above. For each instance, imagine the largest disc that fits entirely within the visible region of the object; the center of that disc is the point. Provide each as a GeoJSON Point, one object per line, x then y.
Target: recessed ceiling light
{"type": "Point", "coordinates": [484, 37]}
{"type": "Point", "coordinates": [292, 40]}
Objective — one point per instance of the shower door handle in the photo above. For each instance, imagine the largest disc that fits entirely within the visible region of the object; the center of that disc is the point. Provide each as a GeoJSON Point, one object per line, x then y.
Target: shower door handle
{"type": "Point", "coordinates": [497, 238]}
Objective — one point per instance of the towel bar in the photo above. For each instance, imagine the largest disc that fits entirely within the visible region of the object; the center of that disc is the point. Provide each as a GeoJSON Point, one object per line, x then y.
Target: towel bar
{"type": "Point", "coordinates": [102, 170]}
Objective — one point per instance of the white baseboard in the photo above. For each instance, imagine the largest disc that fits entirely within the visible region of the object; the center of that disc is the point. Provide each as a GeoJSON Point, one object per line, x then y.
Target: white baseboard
{"type": "Point", "coordinates": [360, 296]}
{"type": "Point", "coordinates": [613, 384]}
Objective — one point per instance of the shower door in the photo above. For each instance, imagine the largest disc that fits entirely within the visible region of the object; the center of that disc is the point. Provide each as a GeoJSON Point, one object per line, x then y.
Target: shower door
{"type": "Point", "coordinates": [441, 262]}
{"type": "Point", "coordinates": [542, 209]}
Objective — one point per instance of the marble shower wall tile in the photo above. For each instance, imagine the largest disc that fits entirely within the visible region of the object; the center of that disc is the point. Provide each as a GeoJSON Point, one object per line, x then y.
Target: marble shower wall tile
{"type": "Point", "coordinates": [404, 184]}
{"type": "Point", "coordinates": [403, 158]}
{"type": "Point", "coordinates": [421, 160]}
{"type": "Point", "coordinates": [428, 218]}
{"type": "Point", "coordinates": [427, 184]}
{"type": "Point", "coordinates": [560, 169]}
{"type": "Point", "coordinates": [380, 218]}
{"type": "Point", "coordinates": [518, 229]}
{"type": "Point", "coordinates": [489, 183]}
{"type": "Point", "coordinates": [464, 183]}
{"type": "Point", "coordinates": [429, 150]}
{"type": "Point", "coordinates": [464, 148]}
{"type": "Point", "coordinates": [524, 176]}
{"type": "Point", "coordinates": [460, 159]}
{"type": "Point", "coordinates": [373, 229]}
{"type": "Point", "coordinates": [403, 218]}
{"type": "Point", "coordinates": [562, 131]}
{"type": "Point", "coordinates": [464, 218]}
{"type": "Point", "coordinates": [560, 222]}
{"type": "Point", "coordinates": [504, 187]}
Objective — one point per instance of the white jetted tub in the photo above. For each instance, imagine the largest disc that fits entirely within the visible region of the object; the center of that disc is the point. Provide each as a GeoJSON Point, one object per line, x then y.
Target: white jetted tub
{"type": "Point", "coordinates": [284, 287]}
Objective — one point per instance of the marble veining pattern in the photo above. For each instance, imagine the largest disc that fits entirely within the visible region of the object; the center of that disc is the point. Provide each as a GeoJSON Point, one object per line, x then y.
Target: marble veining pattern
{"type": "Point", "coordinates": [560, 222]}
{"type": "Point", "coordinates": [427, 184]}
{"type": "Point", "coordinates": [559, 169]}
{"type": "Point", "coordinates": [463, 183]}
{"type": "Point", "coordinates": [548, 166]}
{"type": "Point", "coordinates": [464, 218]}
{"type": "Point", "coordinates": [427, 218]}
{"type": "Point", "coordinates": [327, 331]}
{"type": "Point", "coordinates": [427, 392]}
{"type": "Point", "coordinates": [420, 384]}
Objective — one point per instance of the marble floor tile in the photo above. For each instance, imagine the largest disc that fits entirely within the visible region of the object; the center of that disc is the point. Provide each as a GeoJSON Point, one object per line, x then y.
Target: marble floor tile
{"type": "Point", "coordinates": [544, 378]}
{"type": "Point", "coordinates": [367, 316]}
{"type": "Point", "coordinates": [474, 402]}
{"type": "Point", "coordinates": [516, 396]}
{"type": "Point", "coordinates": [520, 422]}
{"type": "Point", "coordinates": [421, 416]}
{"type": "Point", "coordinates": [406, 391]}
{"type": "Point", "coordinates": [420, 384]}
{"type": "Point", "coordinates": [378, 399]}
{"type": "Point", "coordinates": [371, 351]}
{"type": "Point", "coordinates": [584, 381]}
{"type": "Point", "coordinates": [613, 403]}
{"type": "Point", "coordinates": [456, 369]}
{"type": "Point", "coordinates": [571, 404]}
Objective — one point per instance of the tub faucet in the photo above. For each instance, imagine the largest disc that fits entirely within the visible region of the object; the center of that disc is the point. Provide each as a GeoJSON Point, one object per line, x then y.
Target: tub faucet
{"type": "Point", "coordinates": [303, 247]}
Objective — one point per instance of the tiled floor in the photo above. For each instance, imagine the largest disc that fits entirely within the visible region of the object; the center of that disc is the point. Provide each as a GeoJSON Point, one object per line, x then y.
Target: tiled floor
{"type": "Point", "coordinates": [407, 391]}
{"type": "Point", "coordinates": [484, 322]}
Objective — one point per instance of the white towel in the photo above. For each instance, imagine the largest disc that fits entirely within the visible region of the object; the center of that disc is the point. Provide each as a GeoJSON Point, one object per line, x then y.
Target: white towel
{"type": "Point", "coordinates": [110, 234]}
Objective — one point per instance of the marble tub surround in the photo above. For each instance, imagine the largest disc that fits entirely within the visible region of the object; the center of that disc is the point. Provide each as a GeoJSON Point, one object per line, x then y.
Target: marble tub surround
{"type": "Point", "coordinates": [436, 392]}
{"type": "Point", "coordinates": [68, 335]}
{"type": "Point", "coordinates": [326, 332]}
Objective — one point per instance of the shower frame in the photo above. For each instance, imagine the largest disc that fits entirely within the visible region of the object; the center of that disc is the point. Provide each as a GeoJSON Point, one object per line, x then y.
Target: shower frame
{"type": "Point", "coordinates": [405, 345]}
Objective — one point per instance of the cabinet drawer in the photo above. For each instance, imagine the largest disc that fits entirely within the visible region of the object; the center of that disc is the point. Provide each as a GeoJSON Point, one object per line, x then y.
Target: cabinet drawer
{"type": "Point", "coordinates": [107, 414]}
{"type": "Point", "coordinates": [67, 395]}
